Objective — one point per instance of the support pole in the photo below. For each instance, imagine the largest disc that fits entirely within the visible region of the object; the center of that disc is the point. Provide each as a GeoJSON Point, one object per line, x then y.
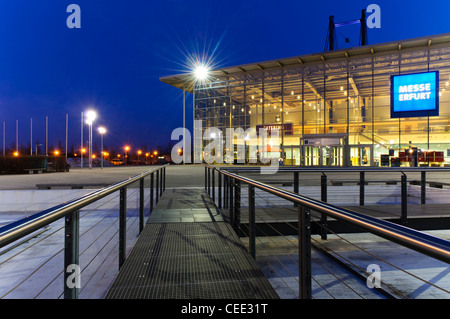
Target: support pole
{"type": "Point", "coordinates": [323, 197]}
{"type": "Point", "coordinates": [304, 252]}
{"type": "Point", "coordinates": [404, 211]}
{"type": "Point", "coordinates": [251, 220]}
{"type": "Point", "coordinates": [122, 226]}
{"type": "Point", "coordinates": [141, 205]}
{"type": "Point", "coordinates": [71, 253]}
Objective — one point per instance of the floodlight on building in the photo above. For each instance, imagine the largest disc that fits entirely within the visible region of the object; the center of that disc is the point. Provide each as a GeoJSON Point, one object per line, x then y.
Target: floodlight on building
{"type": "Point", "coordinates": [201, 72]}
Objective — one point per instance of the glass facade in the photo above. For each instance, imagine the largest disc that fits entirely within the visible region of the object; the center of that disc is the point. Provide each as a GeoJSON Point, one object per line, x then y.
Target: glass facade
{"type": "Point", "coordinates": [335, 111]}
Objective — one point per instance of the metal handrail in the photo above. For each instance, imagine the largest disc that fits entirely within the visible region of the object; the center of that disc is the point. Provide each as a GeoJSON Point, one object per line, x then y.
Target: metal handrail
{"type": "Point", "coordinates": [427, 244]}
{"type": "Point", "coordinates": [25, 226]}
{"type": "Point", "coordinates": [340, 169]}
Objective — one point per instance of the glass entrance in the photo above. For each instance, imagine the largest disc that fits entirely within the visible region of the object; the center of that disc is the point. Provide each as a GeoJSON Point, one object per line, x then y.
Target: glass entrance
{"type": "Point", "coordinates": [331, 156]}
{"type": "Point", "coordinates": [324, 149]}
{"type": "Point", "coordinates": [361, 155]}
{"type": "Point", "coordinates": [312, 155]}
{"type": "Point", "coordinates": [292, 156]}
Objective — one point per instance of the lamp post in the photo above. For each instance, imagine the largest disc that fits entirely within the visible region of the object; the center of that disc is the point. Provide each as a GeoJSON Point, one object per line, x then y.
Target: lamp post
{"type": "Point", "coordinates": [127, 148]}
{"type": "Point", "coordinates": [90, 118]}
{"type": "Point", "coordinates": [102, 131]}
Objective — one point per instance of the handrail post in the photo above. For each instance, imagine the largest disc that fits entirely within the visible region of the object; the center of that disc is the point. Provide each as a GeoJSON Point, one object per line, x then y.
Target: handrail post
{"type": "Point", "coordinates": [71, 253]}
{"type": "Point", "coordinates": [226, 191]}
{"type": "Point", "coordinates": [160, 182]}
{"type": "Point", "coordinates": [122, 226]}
{"type": "Point", "coordinates": [423, 181]}
{"type": "Point", "coordinates": [404, 193]}
{"type": "Point", "coordinates": [237, 205]}
{"type": "Point", "coordinates": [164, 179]}
{"type": "Point", "coordinates": [141, 205]}
{"type": "Point", "coordinates": [219, 190]}
{"type": "Point", "coordinates": [209, 182]}
{"type": "Point", "coordinates": [251, 220]}
{"type": "Point", "coordinates": [206, 182]}
{"type": "Point", "coordinates": [362, 183]}
{"type": "Point", "coordinates": [151, 192]}
{"type": "Point", "coordinates": [323, 198]}
{"type": "Point", "coordinates": [304, 252]}
{"type": "Point", "coordinates": [231, 201]}
{"type": "Point", "coordinates": [213, 186]}
{"type": "Point", "coordinates": [157, 187]}
{"type": "Point", "coordinates": [296, 180]}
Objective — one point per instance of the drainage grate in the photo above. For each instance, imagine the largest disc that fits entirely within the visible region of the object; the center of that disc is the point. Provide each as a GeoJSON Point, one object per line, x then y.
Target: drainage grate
{"type": "Point", "coordinates": [190, 260]}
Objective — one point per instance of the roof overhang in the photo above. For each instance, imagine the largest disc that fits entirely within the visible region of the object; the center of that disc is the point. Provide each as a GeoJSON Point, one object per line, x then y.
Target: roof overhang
{"type": "Point", "coordinates": [184, 81]}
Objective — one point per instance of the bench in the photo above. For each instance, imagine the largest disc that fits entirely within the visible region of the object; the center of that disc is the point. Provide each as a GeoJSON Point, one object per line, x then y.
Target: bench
{"type": "Point", "coordinates": [71, 186]}
{"type": "Point", "coordinates": [357, 182]}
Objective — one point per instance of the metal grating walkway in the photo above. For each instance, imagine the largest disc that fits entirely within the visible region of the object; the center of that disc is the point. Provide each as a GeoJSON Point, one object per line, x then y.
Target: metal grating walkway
{"type": "Point", "coordinates": [190, 259]}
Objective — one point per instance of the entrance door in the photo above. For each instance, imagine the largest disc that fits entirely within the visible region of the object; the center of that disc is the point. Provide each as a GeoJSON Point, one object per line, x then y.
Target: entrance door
{"type": "Point", "coordinates": [331, 156]}
{"type": "Point", "coordinates": [361, 155]}
{"type": "Point", "coordinates": [313, 156]}
{"type": "Point", "coordinates": [324, 150]}
{"type": "Point", "coordinates": [292, 155]}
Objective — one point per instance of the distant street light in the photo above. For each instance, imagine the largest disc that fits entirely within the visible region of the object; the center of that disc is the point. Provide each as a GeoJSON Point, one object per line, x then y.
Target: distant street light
{"type": "Point", "coordinates": [139, 154]}
{"type": "Point", "coordinates": [127, 148]}
{"type": "Point", "coordinates": [102, 131]}
{"type": "Point", "coordinates": [90, 118]}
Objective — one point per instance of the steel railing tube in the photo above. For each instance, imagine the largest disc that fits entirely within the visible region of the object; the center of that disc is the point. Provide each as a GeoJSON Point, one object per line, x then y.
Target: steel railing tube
{"type": "Point", "coordinates": [424, 243]}
{"type": "Point", "coordinates": [25, 226]}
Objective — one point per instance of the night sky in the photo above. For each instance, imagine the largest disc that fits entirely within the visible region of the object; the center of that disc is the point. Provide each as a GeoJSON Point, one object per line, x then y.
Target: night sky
{"type": "Point", "coordinates": [114, 62]}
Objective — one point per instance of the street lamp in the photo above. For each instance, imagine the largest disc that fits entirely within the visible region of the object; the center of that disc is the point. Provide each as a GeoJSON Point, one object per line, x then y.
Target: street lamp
{"type": "Point", "coordinates": [90, 118]}
{"type": "Point", "coordinates": [139, 154]}
{"type": "Point", "coordinates": [127, 148]}
{"type": "Point", "coordinates": [102, 131]}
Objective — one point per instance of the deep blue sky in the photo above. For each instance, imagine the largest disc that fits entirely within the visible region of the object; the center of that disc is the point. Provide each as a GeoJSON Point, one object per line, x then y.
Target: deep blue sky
{"type": "Point", "coordinates": [114, 62]}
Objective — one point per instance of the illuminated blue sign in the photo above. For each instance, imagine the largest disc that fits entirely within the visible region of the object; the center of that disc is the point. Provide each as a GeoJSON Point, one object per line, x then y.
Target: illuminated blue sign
{"type": "Point", "coordinates": [414, 95]}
